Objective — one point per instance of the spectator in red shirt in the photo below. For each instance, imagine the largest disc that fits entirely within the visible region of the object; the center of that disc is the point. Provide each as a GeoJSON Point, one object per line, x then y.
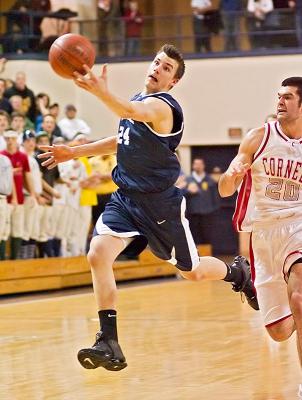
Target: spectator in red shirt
{"type": "Point", "coordinates": [133, 24]}
{"type": "Point", "coordinates": [22, 176]}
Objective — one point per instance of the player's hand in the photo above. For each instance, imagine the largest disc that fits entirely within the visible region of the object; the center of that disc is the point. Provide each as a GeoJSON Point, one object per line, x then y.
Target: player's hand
{"type": "Point", "coordinates": [237, 169]}
{"type": "Point", "coordinates": [96, 85]}
{"type": "Point", "coordinates": [55, 154]}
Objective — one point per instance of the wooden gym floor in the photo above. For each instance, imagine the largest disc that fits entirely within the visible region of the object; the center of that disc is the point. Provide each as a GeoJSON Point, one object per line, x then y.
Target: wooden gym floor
{"type": "Point", "coordinates": [183, 341]}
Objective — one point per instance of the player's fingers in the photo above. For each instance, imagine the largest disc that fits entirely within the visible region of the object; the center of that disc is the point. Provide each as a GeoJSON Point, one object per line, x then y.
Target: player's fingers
{"type": "Point", "coordinates": [45, 147]}
{"type": "Point", "coordinates": [104, 71]}
{"type": "Point", "coordinates": [46, 155]}
{"type": "Point", "coordinates": [48, 162]}
{"type": "Point", "coordinates": [53, 165]}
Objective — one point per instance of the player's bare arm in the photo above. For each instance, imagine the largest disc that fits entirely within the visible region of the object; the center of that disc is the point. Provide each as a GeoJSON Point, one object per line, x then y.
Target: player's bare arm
{"type": "Point", "coordinates": [231, 179]}
{"type": "Point", "coordinates": [152, 110]}
{"type": "Point", "coordinates": [59, 153]}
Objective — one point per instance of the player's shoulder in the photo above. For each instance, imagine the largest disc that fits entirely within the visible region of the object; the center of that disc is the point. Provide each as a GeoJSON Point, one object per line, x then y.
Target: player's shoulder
{"type": "Point", "coordinates": [256, 135]}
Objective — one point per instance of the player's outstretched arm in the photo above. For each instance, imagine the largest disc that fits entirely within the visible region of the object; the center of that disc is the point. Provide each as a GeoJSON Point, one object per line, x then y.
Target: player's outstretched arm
{"type": "Point", "coordinates": [60, 153]}
{"type": "Point", "coordinates": [151, 110]}
{"type": "Point", "coordinates": [231, 179]}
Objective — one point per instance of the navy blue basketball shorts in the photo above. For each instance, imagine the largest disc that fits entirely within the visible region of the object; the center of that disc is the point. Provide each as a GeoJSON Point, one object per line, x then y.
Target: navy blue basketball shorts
{"type": "Point", "coordinates": [156, 219]}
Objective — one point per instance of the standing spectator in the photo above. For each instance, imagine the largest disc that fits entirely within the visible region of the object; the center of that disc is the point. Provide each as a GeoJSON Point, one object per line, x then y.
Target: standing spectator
{"type": "Point", "coordinates": [110, 27]}
{"type": "Point", "coordinates": [28, 98]}
{"type": "Point", "coordinates": [231, 22]}
{"type": "Point", "coordinates": [284, 18]}
{"type": "Point", "coordinates": [71, 125]}
{"type": "Point", "coordinates": [6, 189]}
{"type": "Point", "coordinates": [17, 28]}
{"type": "Point", "coordinates": [134, 23]}
{"type": "Point", "coordinates": [4, 125]}
{"type": "Point", "coordinates": [40, 6]}
{"type": "Point", "coordinates": [102, 167]}
{"type": "Point", "coordinates": [4, 103]}
{"type": "Point", "coordinates": [22, 175]}
{"type": "Point", "coordinates": [202, 202]}
{"type": "Point", "coordinates": [88, 198]}
{"type": "Point", "coordinates": [31, 212]}
{"type": "Point", "coordinates": [49, 178]}
{"type": "Point", "coordinates": [49, 126]}
{"type": "Point", "coordinates": [258, 10]}
{"type": "Point", "coordinates": [201, 31]}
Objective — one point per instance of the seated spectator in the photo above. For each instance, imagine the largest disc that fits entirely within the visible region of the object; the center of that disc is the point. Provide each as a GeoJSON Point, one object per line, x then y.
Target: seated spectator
{"type": "Point", "coordinates": [19, 88]}
{"type": "Point", "coordinates": [42, 107]}
{"type": "Point", "coordinates": [71, 125]}
{"type": "Point", "coordinates": [54, 110]}
{"type": "Point", "coordinates": [49, 126]}
{"type": "Point", "coordinates": [4, 102]}
{"type": "Point", "coordinates": [4, 125]}
{"type": "Point", "coordinates": [16, 103]}
{"type": "Point", "coordinates": [18, 125]}
{"type": "Point", "coordinates": [133, 24]}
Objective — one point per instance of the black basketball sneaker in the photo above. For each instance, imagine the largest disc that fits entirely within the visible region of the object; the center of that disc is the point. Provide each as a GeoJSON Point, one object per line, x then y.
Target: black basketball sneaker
{"type": "Point", "coordinates": [104, 353]}
{"type": "Point", "coordinates": [246, 286]}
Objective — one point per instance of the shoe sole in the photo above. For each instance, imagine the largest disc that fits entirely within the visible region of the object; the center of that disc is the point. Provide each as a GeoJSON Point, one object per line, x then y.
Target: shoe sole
{"type": "Point", "coordinates": [90, 359]}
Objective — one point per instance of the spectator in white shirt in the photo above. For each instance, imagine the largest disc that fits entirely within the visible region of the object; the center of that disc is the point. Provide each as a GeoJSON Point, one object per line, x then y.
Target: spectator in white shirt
{"type": "Point", "coordinates": [70, 125]}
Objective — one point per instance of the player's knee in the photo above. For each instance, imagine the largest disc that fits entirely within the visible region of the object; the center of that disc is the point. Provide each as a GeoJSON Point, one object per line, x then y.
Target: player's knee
{"type": "Point", "coordinates": [295, 301]}
{"type": "Point", "coordinates": [93, 257]}
{"type": "Point", "coordinates": [280, 332]}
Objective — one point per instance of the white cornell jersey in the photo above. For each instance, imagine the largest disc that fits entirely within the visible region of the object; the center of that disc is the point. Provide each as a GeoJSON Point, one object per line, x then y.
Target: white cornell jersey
{"type": "Point", "coordinates": [271, 189]}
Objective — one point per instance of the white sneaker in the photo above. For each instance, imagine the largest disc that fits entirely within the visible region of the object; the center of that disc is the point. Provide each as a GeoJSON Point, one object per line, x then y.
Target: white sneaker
{"type": "Point", "coordinates": [300, 392]}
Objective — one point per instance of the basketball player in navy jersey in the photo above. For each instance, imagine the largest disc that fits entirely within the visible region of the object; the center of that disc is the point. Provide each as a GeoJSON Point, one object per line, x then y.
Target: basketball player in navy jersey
{"type": "Point", "coordinates": [268, 166]}
{"type": "Point", "coordinates": [147, 208]}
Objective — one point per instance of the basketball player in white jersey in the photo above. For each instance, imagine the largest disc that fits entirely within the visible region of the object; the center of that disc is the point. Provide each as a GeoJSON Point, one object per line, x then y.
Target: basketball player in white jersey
{"type": "Point", "coordinates": [268, 167]}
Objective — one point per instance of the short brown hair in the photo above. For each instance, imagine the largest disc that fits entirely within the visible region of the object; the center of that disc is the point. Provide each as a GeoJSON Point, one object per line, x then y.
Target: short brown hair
{"type": "Point", "coordinates": [295, 81]}
{"type": "Point", "coordinates": [176, 55]}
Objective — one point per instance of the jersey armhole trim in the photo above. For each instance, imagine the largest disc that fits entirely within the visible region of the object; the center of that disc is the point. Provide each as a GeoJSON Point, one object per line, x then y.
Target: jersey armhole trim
{"type": "Point", "coordinates": [264, 141]}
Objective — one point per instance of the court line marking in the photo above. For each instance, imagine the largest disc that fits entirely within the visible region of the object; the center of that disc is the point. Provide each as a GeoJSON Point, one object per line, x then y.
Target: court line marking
{"type": "Point", "coordinates": [55, 298]}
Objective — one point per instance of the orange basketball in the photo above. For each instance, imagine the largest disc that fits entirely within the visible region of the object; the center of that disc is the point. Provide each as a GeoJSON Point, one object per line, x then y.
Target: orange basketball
{"type": "Point", "coordinates": [69, 52]}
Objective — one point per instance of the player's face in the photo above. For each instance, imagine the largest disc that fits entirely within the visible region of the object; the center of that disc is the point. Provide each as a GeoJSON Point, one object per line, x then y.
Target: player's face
{"type": "Point", "coordinates": [289, 106]}
{"type": "Point", "coordinates": [161, 74]}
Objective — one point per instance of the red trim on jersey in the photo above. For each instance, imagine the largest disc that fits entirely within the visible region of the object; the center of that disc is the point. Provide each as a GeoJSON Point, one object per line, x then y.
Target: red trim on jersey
{"type": "Point", "coordinates": [252, 260]}
{"type": "Point", "coordinates": [242, 201]}
{"type": "Point", "coordinates": [259, 151]}
{"type": "Point", "coordinates": [280, 133]}
{"type": "Point", "coordinates": [277, 322]}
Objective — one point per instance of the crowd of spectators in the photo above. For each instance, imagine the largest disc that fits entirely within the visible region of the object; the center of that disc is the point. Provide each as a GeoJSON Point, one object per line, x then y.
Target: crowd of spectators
{"type": "Point", "coordinates": [45, 213]}
{"type": "Point", "coordinates": [120, 26]}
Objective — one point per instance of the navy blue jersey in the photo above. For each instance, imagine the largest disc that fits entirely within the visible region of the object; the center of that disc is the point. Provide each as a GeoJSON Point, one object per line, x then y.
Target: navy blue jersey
{"type": "Point", "coordinates": [146, 160]}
